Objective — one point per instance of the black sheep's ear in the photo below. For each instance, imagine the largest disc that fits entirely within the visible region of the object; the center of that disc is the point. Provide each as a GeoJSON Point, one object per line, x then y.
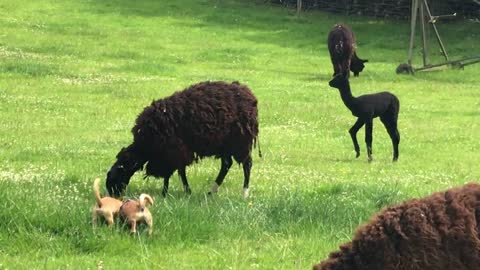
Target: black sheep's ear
{"type": "Point", "coordinates": [365, 61]}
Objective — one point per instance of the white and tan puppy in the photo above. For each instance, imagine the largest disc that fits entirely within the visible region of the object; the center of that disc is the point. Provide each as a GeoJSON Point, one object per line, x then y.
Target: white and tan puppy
{"type": "Point", "coordinates": [134, 212]}
{"type": "Point", "coordinates": [106, 207]}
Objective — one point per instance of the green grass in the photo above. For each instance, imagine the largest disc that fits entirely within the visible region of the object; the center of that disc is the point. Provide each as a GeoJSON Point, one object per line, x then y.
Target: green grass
{"type": "Point", "coordinates": [75, 74]}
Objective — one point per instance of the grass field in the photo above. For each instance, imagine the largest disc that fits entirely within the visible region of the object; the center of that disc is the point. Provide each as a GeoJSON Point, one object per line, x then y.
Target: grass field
{"type": "Point", "coordinates": [75, 74]}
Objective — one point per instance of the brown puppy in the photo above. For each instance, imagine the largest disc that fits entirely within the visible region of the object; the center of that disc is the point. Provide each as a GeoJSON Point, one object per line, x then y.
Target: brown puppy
{"type": "Point", "coordinates": [107, 207]}
{"type": "Point", "coordinates": [134, 212]}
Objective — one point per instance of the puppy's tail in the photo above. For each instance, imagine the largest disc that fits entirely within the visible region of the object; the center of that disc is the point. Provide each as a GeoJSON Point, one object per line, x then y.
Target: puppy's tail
{"type": "Point", "coordinates": [96, 191]}
{"type": "Point", "coordinates": [145, 198]}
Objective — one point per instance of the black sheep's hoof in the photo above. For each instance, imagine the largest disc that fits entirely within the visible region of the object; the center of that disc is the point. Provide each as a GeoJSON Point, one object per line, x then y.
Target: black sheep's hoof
{"type": "Point", "coordinates": [164, 193]}
{"type": "Point", "coordinates": [370, 159]}
{"type": "Point", "coordinates": [358, 154]}
{"type": "Point", "coordinates": [188, 191]}
{"type": "Point", "coordinates": [395, 159]}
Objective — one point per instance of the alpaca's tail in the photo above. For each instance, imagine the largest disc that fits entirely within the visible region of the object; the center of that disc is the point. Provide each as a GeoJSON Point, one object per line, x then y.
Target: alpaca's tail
{"type": "Point", "coordinates": [145, 197]}
{"type": "Point", "coordinates": [96, 191]}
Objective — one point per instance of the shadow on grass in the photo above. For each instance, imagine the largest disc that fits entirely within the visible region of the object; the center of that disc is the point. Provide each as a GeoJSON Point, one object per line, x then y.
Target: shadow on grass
{"type": "Point", "coordinates": [276, 26]}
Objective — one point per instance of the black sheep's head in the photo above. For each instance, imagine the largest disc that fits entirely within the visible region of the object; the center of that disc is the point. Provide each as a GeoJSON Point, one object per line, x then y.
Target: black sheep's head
{"type": "Point", "coordinates": [339, 81]}
{"type": "Point", "coordinates": [122, 170]}
{"type": "Point", "coordinates": [357, 65]}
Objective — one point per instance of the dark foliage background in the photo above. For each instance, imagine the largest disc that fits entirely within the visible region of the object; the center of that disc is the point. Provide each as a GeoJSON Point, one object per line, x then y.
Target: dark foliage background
{"type": "Point", "coordinates": [389, 8]}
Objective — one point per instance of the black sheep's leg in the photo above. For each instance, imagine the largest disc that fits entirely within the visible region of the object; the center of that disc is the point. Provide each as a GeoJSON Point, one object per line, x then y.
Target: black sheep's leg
{"type": "Point", "coordinates": [368, 137]}
{"type": "Point", "coordinates": [247, 166]}
{"type": "Point", "coordinates": [353, 133]}
{"type": "Point", "coordinates": [166, 181]}
{"type": "Point", "coordinates": [346, 68]}
{"type": "Point", "coordinates": [226, 164]}
{"type": "Point", "coordinates": [183, 176]}
{"type": "Point", "coordinates": [337, 67]}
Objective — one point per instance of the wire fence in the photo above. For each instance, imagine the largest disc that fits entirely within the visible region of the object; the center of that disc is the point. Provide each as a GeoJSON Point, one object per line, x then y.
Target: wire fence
{"type": "Point", "coordinates": [399, 9]}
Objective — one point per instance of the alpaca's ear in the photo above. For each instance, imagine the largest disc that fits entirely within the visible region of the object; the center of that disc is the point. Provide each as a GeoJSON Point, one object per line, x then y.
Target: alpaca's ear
{"type": "Point", "coordinates": [365, 61]}
{"type": "Point", "coordinates": [138, 166]}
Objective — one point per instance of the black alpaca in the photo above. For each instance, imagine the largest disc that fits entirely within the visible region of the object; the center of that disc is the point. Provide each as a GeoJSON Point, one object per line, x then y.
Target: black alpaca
{"type": "Point", "coordinates": [366, 107]}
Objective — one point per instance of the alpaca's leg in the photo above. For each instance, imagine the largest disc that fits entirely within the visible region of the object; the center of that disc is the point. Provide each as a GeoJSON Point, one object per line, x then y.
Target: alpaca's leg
{"type": "Point", "coordinates": [183, 176]}
{"type": "Point", "coordinates": [391, 126]}
{"type": "Point", "coordinates": [247, 166]}
{"type": "Point", "coordinates": [353, 133]}
{"type": "Point", "coordinates": [166, 181]}
{"type": "Point", "coordinates": [369, 138]}
{"type": "Point", "coordinates": [226, 164]}
{"type": "Point", "coordinates": [396, 141]}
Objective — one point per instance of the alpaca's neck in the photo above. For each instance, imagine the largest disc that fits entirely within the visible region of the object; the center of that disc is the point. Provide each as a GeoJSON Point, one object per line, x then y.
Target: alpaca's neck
{"type": "Point", "coordinates": [347, 97]}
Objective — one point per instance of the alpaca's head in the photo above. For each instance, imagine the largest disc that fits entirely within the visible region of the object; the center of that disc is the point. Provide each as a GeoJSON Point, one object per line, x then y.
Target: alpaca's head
{"type": "Point", "coordinates": [339, 81]}
{"type": "Point", "coordinates": [122, 170]}
{"type": "Point", "coordinates": [357, 65]}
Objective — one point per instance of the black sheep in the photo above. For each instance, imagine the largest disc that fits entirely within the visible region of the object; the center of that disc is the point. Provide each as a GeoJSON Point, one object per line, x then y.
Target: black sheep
{"type": "Point", "coordinates": [341, 45]}
{"type": "Point", "coordinates": [207, 119]}
{"type": "Point", "coordinates": [384, 105]}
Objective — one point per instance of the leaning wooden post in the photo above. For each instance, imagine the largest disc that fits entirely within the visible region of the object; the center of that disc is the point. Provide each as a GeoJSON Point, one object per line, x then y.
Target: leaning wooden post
{"type": "Point", "coordinates": [424, 35]}
{"type": "Point", "coordinates": [299, 6]}
{"type": "Point", "coordinates": [436, 31]}
{"type": "Point", "coordinates": [412, 30]}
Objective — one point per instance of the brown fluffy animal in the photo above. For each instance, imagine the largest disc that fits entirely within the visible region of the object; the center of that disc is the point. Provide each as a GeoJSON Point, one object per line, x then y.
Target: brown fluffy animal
{"type": "Point", "coordinates": [133, 212]}
{"type": "Point", "coordinates": [207, 119]}
{"type": "Point", "coordinates": [341, 45]}
{"type": "Point", "coordinates": [106, 207]}
{"type": "Point", "coordinates": [439, 232]}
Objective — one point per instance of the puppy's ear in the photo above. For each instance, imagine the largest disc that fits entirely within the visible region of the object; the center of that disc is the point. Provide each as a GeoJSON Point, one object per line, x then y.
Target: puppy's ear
{"type": "Point", "coordinates": [149, 200]}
